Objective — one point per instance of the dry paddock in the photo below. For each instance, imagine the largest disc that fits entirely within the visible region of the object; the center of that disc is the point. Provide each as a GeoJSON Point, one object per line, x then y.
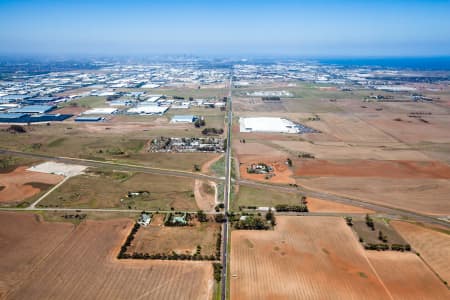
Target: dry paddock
{"type": "Point", "coordinates": [432, 245]}
{"type": "Point", "coordinates": [422, 195]}
{"type": "Point", "coordinates": [81, 264]}
{"type": "Point", "coordinates": [320, 258]}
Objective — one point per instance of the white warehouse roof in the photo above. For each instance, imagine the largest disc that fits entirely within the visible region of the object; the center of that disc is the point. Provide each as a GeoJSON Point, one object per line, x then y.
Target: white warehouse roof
{"type": "Point", "coordinates": [100, 111]}
{"type": "Point", "coordinates": [148, 110]}
{"type": "Point", "coordinates": [267, 124]}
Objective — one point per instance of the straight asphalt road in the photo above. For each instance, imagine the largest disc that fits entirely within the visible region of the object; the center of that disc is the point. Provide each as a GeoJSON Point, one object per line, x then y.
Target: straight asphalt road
{"type": "Point", "coordinates": [226, 196]}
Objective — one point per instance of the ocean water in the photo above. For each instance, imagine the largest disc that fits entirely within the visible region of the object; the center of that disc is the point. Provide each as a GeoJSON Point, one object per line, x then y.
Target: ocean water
{"type": "Point", "coordinates": [412, 63]}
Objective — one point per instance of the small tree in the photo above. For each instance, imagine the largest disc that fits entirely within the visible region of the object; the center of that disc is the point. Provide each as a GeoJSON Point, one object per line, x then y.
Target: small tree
{"type": "Point", "coordinates": [289, 162]}
{"type": "Point", "coordinates": [16, 129]}
{"type": "Point", "coordinates": [202, 217]}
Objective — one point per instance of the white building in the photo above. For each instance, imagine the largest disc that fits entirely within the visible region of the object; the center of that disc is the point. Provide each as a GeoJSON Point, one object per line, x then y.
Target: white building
{"type": "Point", "coordinates": [267, 124]}
{"type": "Point", "coordinates": [148, 110]}
{"type": "Point", "coordinates": [101, 111]}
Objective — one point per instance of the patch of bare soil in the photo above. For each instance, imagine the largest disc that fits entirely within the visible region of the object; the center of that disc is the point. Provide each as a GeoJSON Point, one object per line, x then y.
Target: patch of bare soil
{"type": "Point", "coordinates": [281, 172]}
{"type": "Point", "coordinates": [320, 205]}
{"type": "Point", "coordinates": [205, 194]}
{"type": "Point", "coordinates": [22, 184]}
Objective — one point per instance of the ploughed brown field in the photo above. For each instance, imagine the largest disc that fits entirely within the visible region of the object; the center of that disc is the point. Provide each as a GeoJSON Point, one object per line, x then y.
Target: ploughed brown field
{"type": "Point", "coordinates": [406, 276]}
{"type": "Point", "coordinates": [21, 184]}
{"type": "Point", "coordinates": [69, 262]}
{"type": "Point", "coordinates": [25, 242]}
{"type": "Point", "coordinates": [373, 168]}
{"type": "Point", "coordinates": [432, 245]}
{"type": "Point", "coordinates": [303, 258]}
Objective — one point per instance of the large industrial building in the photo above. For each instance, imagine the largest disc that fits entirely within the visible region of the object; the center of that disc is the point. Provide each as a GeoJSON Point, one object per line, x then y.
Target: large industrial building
{"type": "Point", "coordinates": [101, 111]}
{"type": "Point", "coordinates": [271, 124]}
{"type": "Point", "coordinates": [148, 110]}
{"type": "Point", "coordinates": [32, 109]}
{"type": "Point", "coordinates": [27, 118]}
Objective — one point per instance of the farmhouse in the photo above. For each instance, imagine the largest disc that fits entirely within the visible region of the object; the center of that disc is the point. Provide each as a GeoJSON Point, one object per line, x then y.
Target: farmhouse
{"type": "Point", "coordinates": [179, 219]}
{"type": "Point", "coordinates": [144, 219]}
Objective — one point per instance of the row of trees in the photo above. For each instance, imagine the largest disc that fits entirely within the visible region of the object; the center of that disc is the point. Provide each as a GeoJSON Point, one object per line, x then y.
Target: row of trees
{"type": "Point", "coordinates": [382, 237]}
{"type": "Point", "coordinates": [306, 155]}
{"type": "Point", "coordinates": [200, 123]}
{"type": "Point", "coordinates": [369, 222]}
{"type": "Point", "coordinates": [294, 208]}
{"type": "Point", "coordinates": [212, 131]}
{"type": "Point", "coordinates": [217, 271]}
{"type": "Point", "coordinates": [172, 256]}
{"type": "Point", "coordinates": [384, 247]}
{"type": "Point", "coordinates": [271, 98]}
{"type": "Point", "coordinates": [122, 253]}
{"type": "Point", "coordinates": [270, 216]}
{"type": "Point", "coordinates": [220, 218]}
{"type": "Point", "coordinates": [218, 245]}
{"type": "Point", "coordinates": [252, 223]}
{"type": "Point", "coordinates": [201, 216]}
{"type": "Point", "coordinates": [16, 129]}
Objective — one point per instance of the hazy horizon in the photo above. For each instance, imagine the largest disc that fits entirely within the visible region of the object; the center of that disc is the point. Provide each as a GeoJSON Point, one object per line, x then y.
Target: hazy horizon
{"type": "Point", "coordinates": [290, 28]}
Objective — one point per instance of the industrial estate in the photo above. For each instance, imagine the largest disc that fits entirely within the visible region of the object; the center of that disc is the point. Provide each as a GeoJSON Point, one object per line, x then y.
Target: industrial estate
{"type": "Point", "coordinates": [191, 178]}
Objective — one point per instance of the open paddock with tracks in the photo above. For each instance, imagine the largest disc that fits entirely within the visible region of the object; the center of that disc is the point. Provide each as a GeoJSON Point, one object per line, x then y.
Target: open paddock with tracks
{"type": "Point", "coordinates": [100, 188]}
{"type": "Point", "coordinates": [117, 141]}
{"type": "Point", "coordinates": [297, 258]}
{"type": "Point", "coordinates": [423, 195]}
{"type": "Point", "coordinates": [57, 260]}
{"type": "Point", "coordinates": [433, 245]}
{"type": "Point", "coordinates": [406, 276]}
{"type": "Point", "coordinates": [334, 150]}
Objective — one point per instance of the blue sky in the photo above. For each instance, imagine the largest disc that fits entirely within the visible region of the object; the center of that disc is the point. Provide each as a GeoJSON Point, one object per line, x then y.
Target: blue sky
{"type": "Point", "coordinates": [297, 28]}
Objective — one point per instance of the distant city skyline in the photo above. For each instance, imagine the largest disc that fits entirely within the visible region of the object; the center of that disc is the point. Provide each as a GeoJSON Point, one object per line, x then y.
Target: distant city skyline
{"type": "Point", "coordinates": [296, 28]}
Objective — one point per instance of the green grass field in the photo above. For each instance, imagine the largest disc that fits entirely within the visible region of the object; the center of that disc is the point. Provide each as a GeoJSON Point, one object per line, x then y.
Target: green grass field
{"type": "Point", "coordinates": [109, 189]}
{"type": "Point", "coordinates": [249, 196]}
{"type": "Point", "coordinates": [88, 102]}
{"type": "Point", "coordinates": [71, 140]}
